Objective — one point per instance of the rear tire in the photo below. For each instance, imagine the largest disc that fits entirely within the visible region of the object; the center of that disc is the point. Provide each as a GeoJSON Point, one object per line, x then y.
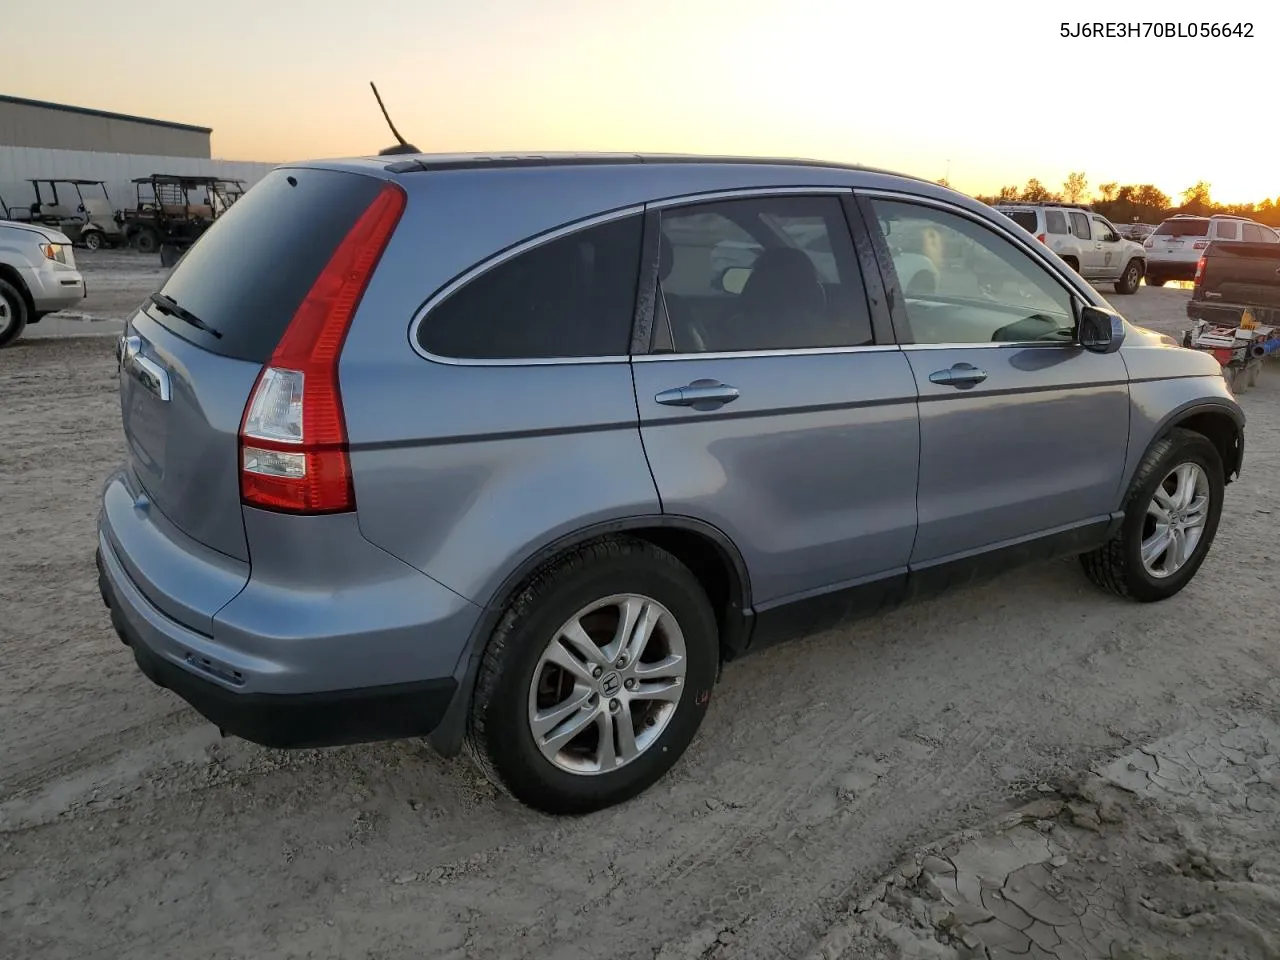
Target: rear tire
{"type": "Point", "coordinates": [1118, 566]}
{"type": "Point", "coordinates": [1131, 278]}
{"type": "Point", "coordinates": [1155, 281]}
{"type": "Point", "coordinates": [521, 684]}
{"type": "Point", "coordinates": [13, 313]}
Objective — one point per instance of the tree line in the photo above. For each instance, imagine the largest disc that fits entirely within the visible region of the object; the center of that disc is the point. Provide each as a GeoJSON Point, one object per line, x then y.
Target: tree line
{"type": "Point", "coordinates": [1144, 203]}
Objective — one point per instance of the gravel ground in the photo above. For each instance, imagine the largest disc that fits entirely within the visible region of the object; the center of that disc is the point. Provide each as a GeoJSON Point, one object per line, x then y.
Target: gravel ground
{"type": "Point", "coordinates": [128, 828]}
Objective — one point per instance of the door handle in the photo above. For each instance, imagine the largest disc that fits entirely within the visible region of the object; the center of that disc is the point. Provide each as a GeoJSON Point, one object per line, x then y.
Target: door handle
{"type": "Point", "coordinates": [701, 395]}
{"type": "Point", "coordinates": [962, 375]}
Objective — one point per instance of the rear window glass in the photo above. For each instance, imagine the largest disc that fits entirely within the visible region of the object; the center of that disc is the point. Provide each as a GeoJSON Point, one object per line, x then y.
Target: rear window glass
{"type": "Point", "coordinates": [1183, 228]}
{"type": "Point", "coordinates": [1026, 219]}
{"type": "Point", "coordinates": [1056, 221]}
{"type": "Point", "coordinates": [249, 272]}
{"type": "Point", "coordinates": [573, 296]}
{"type": "Point", "coordinates": [1228, 230]}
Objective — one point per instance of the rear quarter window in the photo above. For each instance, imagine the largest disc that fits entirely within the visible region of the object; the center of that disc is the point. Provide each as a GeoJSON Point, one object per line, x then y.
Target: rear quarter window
{"type": "Point", "coordinates": [570, 297]}
{"type": "Point", "coordinates": [249, 272]}
{"type": "Point", "coordinates": [1056, 221]}
{"type": "Point", "coordinates": [1026, 219]}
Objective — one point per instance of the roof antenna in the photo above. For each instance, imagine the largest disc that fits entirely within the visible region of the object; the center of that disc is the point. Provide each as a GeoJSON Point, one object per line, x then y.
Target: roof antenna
{"type": "Point", "coordinates": [403, 146]}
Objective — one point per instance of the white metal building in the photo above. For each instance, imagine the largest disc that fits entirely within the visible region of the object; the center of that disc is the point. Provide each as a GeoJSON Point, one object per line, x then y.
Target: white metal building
{"type": "Point", "coordinates": [40, 140]}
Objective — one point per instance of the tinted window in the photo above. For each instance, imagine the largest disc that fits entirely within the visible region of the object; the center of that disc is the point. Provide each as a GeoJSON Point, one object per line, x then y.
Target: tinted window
{"type": "Point", "coordinates": [985, 289]}
{"type": "Point", "coordinates": [1056, 221]}
{"type": "Point", "coordinates": [1227, 230]}
{"type": "Point", "coordinates": [1183, 228]}
{"type": "Point", "coordinates": [248, 273]}
{"type": "Point", "coordinates": [573, 296]}
{"type": "Point", "coordinates": [1026, 219]}
{"type": "Point", "coordinates": [771, 273]}
{"type": "Point", "coordinates": [1080, 226]}
{"type": "Point", "coordinates": [1251, 232]}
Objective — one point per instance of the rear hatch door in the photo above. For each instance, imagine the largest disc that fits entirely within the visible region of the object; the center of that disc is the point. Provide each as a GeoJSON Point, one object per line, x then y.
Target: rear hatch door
{"type": "Point", "coordinates": [1177, 239]}
{"type": "Point", "coordinates": [1241, 273]}
{"type": "Point", "coordinates": [192, 353]}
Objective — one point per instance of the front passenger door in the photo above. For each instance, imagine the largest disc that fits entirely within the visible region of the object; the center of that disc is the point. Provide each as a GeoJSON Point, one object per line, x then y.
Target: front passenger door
{"type": "Point", "coordinates": [1023, 433]}
{"type": "Point", "coordinates": [1110, 247]}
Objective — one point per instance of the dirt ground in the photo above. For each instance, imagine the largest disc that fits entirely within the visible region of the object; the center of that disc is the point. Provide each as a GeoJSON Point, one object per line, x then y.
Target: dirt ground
{"type": "Point", "coordinates": [849, 795]}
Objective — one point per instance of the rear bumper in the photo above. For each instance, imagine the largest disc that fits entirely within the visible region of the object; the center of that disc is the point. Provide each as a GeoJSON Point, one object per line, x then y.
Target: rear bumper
{"type": "Point", "coordinates": [187, 663]}
{"type": "Point", "coordinates": [1172, 269]}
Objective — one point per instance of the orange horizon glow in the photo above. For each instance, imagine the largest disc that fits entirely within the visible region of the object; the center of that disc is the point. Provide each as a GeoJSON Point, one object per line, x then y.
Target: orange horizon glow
{"type": "Point", "coordinates": [927, 96]}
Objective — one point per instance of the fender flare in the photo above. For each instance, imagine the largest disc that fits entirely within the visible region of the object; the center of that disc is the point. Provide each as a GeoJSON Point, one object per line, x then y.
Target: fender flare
{"type": "Point", "coordinates": [1184, 412]}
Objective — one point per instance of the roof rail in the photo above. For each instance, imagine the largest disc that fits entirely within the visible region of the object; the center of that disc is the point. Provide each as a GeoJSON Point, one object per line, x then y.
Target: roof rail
{"type": "Point", "coordinates": [1044, 203]}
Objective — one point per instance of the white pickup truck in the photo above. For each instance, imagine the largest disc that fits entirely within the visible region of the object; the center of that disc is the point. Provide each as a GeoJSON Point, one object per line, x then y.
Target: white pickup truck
{"type": "Point", "coordinates": [38, 275]}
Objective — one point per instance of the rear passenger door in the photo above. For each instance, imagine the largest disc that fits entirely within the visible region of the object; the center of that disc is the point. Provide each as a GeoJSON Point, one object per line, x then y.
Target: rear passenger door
{"type": "Point", "coordinates": [1023, 433]}
{"type": "Point", "coordinates": [1090, 253]}
{"type": "Point", "coordinates": [774, 404]}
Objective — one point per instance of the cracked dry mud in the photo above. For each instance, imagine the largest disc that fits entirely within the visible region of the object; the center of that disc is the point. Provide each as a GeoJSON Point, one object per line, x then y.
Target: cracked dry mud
{"type": "Point", "coordinates": [129, 829]}
{"type": "Point", "coordinates": [1171, 850]}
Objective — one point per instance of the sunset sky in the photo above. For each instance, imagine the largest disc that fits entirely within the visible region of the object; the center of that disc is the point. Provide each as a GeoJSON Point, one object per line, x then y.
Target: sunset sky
{"type": "Point", "coordinates": [989, 87]}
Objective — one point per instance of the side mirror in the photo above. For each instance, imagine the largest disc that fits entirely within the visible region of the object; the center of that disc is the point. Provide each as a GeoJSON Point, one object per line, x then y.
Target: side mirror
{"type": "Point", "coordinates": [734, 279]}
{"type": "Point", "coordinates": [1101, 331]}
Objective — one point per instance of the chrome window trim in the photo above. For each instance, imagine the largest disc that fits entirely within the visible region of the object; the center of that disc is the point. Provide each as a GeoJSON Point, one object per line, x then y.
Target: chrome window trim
{"type": "Point", "coordinates": [746, 193]}
{"type": "Point", "coordinates": [750, 354]}
{"type": "Point", "coordinates": [1069, 283]}
{"type": "Point", "coordinates": [683, 200]}
{"type": "Point", "coordinates": [477, 270]}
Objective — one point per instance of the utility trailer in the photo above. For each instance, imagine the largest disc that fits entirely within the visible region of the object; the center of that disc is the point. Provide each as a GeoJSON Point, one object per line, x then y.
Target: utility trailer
{"type": "Point", "coordinates": [1235, 308]}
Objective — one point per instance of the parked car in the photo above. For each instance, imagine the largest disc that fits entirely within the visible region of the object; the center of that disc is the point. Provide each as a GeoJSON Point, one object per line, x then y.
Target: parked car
{"type": "Point", "coordinates": [38, 275]}
{"type": "Point", "coordinates": [494, 457]}
{"type": "Point", "coordinates": [1136, 231]}
{"type": "Point", "coordinates": [1175, 247]}
{"type": "Point", "coordinates": [1088, 242]}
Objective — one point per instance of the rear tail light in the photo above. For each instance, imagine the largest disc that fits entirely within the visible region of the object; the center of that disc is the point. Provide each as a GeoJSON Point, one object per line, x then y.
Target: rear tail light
{"type": "Point", "coordinates": [1199, 271]}
{"type": "Point", "coordinates": [293, 437]}
{"type": "Point", "coordinates": [1040, 237]}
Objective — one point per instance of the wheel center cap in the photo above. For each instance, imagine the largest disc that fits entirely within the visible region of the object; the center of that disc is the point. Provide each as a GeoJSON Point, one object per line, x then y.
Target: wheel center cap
{"type": "Point", "coordinates": [610, 683]}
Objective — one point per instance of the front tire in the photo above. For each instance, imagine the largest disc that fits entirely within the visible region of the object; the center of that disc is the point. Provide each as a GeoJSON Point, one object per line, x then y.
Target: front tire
{"type": "Point", "coordinates": [13, 313]}
{"type": "Point", "coordinates": [596, 678]}
{"type": "Point", "coordinates": [93, 240]}
{"type": "Point", "coordinates": [1130, 279]}
{"type": "Point", "coordinates": [1171, 517]}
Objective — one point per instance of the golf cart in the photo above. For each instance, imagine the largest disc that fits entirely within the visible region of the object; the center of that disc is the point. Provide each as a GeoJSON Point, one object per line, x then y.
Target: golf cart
{"type": "Point", "coordinates": [173, 210]}
{"type": "Point", "coordinates": [88, 221]}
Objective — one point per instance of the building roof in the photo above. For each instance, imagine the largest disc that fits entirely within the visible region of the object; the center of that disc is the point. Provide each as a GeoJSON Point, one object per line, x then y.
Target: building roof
{"type": "Point", "coordinates": [89, 112]}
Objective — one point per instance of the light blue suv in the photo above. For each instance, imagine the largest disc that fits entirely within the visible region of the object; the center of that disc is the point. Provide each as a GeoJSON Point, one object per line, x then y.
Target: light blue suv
{"type": "Point", "coordinates": [504, 451]}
